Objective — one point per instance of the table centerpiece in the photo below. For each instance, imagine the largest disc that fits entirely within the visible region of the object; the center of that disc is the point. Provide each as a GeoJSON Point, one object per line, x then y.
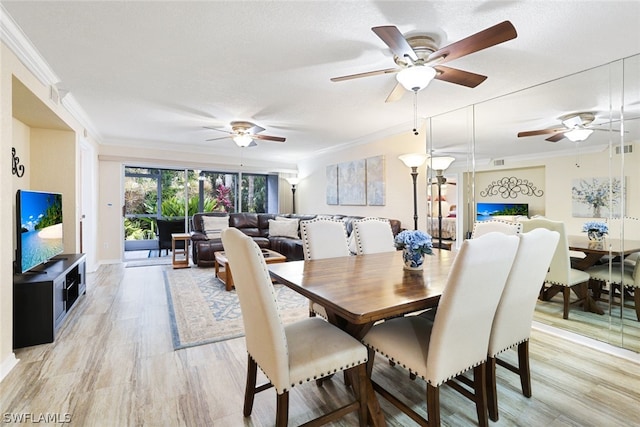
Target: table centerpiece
{"type": "Point", "coordinates": [595, 230]}
{"type": "Point", "coordinates": [415, 244]}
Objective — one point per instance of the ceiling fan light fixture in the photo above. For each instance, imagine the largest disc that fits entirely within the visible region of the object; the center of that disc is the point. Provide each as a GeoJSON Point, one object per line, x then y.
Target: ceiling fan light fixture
{"type": "Point", "coordinates": [416, 78]}
{"type": "Point", "coordinates": [577, 135]}
{"type": "Point", "coordinates": [243, 139]}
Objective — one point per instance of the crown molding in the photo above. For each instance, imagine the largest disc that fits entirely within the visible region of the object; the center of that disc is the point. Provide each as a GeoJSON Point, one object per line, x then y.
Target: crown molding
{"type": "Point", "coordinates": [16, 40]}
{"type": "Point", "coordinates": [11, 34]}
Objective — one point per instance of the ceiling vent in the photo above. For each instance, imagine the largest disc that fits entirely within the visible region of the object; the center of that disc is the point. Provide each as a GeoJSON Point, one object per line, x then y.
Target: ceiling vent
{"type": "Point", "coordinates": [627, 149]}
{"type": "Point", "coordinates": [499, 162]}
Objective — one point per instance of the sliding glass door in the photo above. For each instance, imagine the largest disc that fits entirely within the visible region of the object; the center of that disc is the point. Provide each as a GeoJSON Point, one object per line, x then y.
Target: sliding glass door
{"type": "Point", "coordinates": [174, 195]}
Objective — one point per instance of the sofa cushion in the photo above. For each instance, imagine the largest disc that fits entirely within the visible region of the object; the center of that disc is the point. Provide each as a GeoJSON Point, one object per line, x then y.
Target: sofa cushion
{"type": "Point", "coordinates": [214, 225]}
{"type": "Point", "coordinates": [283, 228]}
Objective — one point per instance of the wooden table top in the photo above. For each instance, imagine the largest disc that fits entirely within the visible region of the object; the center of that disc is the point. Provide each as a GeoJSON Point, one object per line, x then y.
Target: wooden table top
{"type": "Point", "coordinates": [365, 288]}
{"type": "Point", "coordinates": [596, 250]}
{"type": "Point", "coordinates": [617, 246]}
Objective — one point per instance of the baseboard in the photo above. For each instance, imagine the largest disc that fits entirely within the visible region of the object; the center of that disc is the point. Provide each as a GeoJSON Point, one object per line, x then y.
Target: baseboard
{"type": "Point", "coordinates": [588, 342]}
{"type": "Point", "coordinates": [7, 365]}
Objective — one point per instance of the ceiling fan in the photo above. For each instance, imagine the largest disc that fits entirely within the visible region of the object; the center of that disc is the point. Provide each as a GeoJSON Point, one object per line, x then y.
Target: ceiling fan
{"type": "Point", "coordinates": [419, 59]}
{"type": "Point", "coordinates": [243, 134]}
{"type": "Point", "coordinates": [577, 127]}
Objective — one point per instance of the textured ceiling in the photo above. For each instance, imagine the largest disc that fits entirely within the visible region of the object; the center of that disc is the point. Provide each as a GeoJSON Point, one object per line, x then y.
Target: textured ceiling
{"type": "Point", "coordinates": [154, 73]}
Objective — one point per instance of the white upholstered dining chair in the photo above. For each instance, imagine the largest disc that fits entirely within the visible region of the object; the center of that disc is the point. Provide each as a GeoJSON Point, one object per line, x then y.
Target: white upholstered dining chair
{"type": "Point", "coordinates": [514, 315]}
{"type": "Point", "coordinates": [507, 227]}
{"type": "Point", "coordinates": [373, 235]}
{"type": "Point", "coordinates": [623, 276]}
{"type": "Point", "coordinates": [560, 277]}
{"type": "Point", "coordinates": [323, 238]}
{"type": "Point", "coordinates": [292, 354]}
{"type": "Point", "coordinates": [458, 338]}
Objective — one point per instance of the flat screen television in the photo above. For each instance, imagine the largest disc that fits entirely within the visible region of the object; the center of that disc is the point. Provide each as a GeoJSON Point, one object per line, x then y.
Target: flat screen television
{"type": "Point", "coordinates": [39, 228]}
{"type": "Point", "coordinates": [485, 211]}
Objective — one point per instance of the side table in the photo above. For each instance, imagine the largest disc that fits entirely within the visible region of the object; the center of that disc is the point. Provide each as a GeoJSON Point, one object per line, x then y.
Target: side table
{"type": "Point", "coordinates": [180, 256]}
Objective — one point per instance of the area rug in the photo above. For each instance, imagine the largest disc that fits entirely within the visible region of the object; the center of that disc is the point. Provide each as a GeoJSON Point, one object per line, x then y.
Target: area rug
{"type": "Point", "coordinates": [203, 312]}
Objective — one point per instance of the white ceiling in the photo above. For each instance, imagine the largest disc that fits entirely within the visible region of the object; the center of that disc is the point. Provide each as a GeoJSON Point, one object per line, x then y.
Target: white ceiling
{"type": "Point", "coordinates": [154, 73]}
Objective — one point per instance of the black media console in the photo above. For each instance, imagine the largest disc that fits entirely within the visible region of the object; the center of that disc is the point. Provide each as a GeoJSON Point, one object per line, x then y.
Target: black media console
{"type": "Point", "coordinates": [43, 298]}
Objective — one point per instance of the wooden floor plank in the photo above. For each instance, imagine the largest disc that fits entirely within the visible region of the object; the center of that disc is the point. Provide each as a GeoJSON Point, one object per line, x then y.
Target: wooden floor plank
{"type": "Point", "coordinates": [113, 364]}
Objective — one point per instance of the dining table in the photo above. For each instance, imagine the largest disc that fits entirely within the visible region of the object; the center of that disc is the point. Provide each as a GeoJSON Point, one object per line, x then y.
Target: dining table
{"type": "Point", "coordinates": [358, 291]}
{"type": "Point", "coordinates": [595, 250]}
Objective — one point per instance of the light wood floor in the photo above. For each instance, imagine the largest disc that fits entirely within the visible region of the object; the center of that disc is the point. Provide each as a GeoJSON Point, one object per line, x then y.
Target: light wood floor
{"type": "Point", "coordinates": [113, 365]}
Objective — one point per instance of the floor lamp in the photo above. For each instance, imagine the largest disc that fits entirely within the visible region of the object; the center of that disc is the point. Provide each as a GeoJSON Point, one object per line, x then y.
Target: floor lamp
{"type": "Point", "coordinates": [413, 161]}
{"type": "Point", "coordinates": [439, 165]}
{"type": "Point", "coordinates": [293, 181]}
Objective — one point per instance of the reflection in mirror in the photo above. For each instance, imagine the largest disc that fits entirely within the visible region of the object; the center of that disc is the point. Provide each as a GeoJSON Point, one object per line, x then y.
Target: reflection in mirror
{"type": "Point", "coordinates": [543, 169]}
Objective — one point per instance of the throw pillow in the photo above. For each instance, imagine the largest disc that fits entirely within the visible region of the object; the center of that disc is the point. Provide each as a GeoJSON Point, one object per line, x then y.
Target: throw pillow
{"type": "Point", "coordinates": [283, 228]}
{"type": "Point", "coordinates": [213, 225]}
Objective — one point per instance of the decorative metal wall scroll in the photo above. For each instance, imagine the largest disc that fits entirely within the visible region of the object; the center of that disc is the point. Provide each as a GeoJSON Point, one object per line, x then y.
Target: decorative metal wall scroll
{"type": "Point", "coordinates": [511, 187]}
{"type": "Point", "coordinates": [16, 167]}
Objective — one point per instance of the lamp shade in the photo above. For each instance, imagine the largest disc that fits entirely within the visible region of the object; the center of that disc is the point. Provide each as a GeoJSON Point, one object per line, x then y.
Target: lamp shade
{"type": "Point", "coordinates": [293, 180]}
{"type": "Point", "coordinates": [413, 159]}
{"type": "Point", "coordinates": [577, 135]}
{"type": "Point", "coordinates": [440, 163]}
{"type": "Point", "coordinates": [416, 78]}
{"type": "Point", "coordinates": [243, 139]}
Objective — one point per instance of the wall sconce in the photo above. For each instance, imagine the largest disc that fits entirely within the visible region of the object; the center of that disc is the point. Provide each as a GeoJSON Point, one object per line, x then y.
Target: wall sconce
{"type": "Point", "coordinates": [413, 161]}
{"type": "Point", "coordinates": [439, 165]}
{"type": "Point", "coordinates": [293, 181]}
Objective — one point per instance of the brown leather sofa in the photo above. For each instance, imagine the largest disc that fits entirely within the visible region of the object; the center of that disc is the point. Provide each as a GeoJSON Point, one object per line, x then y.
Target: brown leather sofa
{"type": "Point", "coordinates": [256, 225]}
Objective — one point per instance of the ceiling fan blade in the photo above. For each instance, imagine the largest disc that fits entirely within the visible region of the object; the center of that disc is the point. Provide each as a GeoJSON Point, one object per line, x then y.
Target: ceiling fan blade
{"type": "Point", "coordinates": [396, 93]}
{"type": "Point", "coordinates": [573, 122]}
{"type": "Point", "coordinates": [269, 138]}
{"type": "Point", "coordinates": [218, 129]}
{"type": "Point", "coordinates": [396, 41]}
{"type": "Point", "coordinates": [486, 38]}
{"type": "Point", "coordinates": [255, 129]}
{"type": "Point", "coordinates": [555, 138]}
{"type": "Point", "coordinates": [217, 139]}
{"type": "Point", "coordinates": [459, 77]}
{"type": "Point", "coordinates": [367, 74]}
{"type": "Point", "coordinates": [540, 132]}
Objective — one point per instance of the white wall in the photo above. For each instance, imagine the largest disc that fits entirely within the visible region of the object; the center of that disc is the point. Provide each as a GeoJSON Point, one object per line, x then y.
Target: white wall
{"type": "Point", "coordinates": [311, 193]}
{"type": "Point", "coordinates": [48, 158]}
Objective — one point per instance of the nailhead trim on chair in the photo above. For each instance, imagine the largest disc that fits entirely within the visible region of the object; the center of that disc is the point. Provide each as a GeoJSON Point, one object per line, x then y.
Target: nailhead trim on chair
{"type": "Point", "coordinates": [397, 362]}
{"type": "Point", "coordinates": [511, 346]}
{"type": "Point", "coordinates": [309, 221]}
{"type": "Point", "coordinates": [315, 377]}
{"type": "Point", "coordinates": [322, 375]}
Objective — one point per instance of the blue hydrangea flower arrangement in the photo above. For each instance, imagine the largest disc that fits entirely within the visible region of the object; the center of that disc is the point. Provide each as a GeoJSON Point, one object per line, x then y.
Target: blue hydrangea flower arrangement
{"type": "Point", "coordinates": [599, 227]}
{"type": "Point", "coordinates": [415, 240]}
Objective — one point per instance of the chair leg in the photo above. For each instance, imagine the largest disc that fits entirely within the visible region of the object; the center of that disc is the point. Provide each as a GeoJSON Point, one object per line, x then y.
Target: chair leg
{"type": "Point", "coordinates": [433, 405]}
{"type": "Point", "coordinates": [492, 392]}
{"type": "Point", "coordinates": [282, 410]}
{"type": "Point", "coordinates": [636, 301]}
{"type": "Point", "coordinates": [250, 388]}
{"type": "Point", "coordinates": [523, 368]}
{"type": "Point", "coordinates": [566, 293]}
{"type": "Point", "coordinates": [479, 380]}
{"type": "Point", "coordinates": [371, 354]}
{"type": "Point", "coordinates": [362, 382]}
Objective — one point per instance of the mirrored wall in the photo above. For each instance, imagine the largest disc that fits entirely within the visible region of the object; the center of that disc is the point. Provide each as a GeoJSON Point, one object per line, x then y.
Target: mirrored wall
{"type": "Point", "coordinates": [545, 172]}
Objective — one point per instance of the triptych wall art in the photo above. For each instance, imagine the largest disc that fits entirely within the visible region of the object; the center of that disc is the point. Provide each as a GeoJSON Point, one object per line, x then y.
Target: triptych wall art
{"type": "Point", "coordinates": [357, 182]}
